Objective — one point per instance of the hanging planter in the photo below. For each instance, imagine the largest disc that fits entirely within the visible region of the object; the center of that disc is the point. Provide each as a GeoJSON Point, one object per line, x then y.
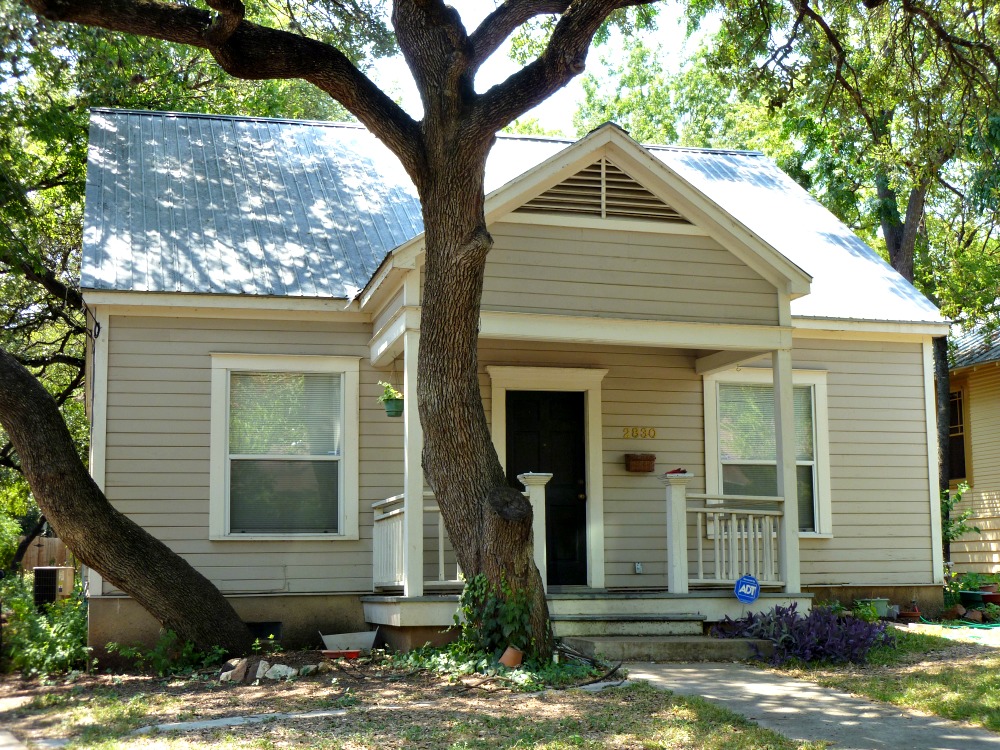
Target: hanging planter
{"type": "Point", "coordinates": [391, 399]}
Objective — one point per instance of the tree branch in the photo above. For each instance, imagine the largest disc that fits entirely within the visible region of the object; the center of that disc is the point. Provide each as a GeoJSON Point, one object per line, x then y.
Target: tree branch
{"type": "Point", "coordinates": [504, 21]}
{"type": "Point", "coordinates": [253, 52]}
{"type": "Point", "coordinates": [564, 58]}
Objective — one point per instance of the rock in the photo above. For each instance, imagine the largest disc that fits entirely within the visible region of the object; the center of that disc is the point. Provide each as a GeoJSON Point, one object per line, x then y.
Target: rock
{"type": "Point", "coordinates": [234, 670]}
{"type": "Point", "coordinates": [281, 672]}
{"type": "Point", "coordinates": [262, 669]}
{"type": "Point", "coordinates": [308, 669]}
{"type": "Point", "coordinates": [325, 667]}
{"type": "Point", "coordinates": [974, 615]}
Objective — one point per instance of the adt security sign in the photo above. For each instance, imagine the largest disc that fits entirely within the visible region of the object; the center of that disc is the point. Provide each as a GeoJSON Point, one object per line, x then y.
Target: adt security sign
{"type": "Point", "coordinates": [747, 589]}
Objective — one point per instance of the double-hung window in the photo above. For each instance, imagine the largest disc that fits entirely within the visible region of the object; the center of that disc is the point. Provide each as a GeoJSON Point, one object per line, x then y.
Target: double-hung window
{"type": "Point", "coordinates": [741, 455]}
{"type": "Point", "coordinates": [284, 447]}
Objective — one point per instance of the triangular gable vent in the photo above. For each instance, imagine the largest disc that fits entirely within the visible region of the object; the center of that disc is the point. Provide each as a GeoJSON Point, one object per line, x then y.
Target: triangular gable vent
{"type": "Point", "coordinates": [604, 190]}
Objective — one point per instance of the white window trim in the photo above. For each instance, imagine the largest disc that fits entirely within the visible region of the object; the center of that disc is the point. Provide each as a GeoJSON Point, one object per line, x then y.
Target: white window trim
{"type": "Point", "coordinates": [761, 375]}
{"type": "Point", "coordinates": [222, 366]}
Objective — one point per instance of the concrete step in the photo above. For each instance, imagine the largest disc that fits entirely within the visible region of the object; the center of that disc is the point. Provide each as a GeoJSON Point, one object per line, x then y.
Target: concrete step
{"type": "Point", "coordinates": [669, 648]}
{"type": "Point", "coordinates": [640, 624]}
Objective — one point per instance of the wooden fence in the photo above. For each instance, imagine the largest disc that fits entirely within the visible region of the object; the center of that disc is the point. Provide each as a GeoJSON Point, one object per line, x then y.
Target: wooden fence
{"type": "Point", "coordinates": [47, 551]}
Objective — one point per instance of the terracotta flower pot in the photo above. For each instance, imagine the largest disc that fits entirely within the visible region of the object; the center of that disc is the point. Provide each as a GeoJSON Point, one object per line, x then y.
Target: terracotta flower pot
{"type": "Point", "coordinates": [512, 657]}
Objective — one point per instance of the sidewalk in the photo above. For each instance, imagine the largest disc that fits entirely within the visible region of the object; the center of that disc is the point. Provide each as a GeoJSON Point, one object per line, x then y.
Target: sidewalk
{"type": "Point", "coordinates": [804, 711]}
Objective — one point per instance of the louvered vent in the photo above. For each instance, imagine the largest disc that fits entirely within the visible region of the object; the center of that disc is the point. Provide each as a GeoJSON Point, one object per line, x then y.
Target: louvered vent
{"type": "Point", "coordinates": [602, 189]}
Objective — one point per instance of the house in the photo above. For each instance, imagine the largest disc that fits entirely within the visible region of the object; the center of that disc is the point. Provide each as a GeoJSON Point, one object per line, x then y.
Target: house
{"type": "Point", "coordinates": [974, 446]}
{"type": "Point", "coordinates": [251, 281]}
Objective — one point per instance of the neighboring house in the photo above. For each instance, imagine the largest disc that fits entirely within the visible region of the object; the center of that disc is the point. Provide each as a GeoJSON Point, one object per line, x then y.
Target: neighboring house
{"type": "Point", "coordinates": [975, 445]}
{"type": "Point", "coordinates": [250, 282]}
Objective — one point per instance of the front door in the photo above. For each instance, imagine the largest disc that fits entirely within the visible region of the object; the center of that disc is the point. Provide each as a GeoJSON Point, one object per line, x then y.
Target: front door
{"type": "Point", "coordinates": [545, 433]}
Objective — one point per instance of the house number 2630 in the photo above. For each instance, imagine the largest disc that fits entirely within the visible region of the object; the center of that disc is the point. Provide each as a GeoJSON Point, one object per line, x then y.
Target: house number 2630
{"type": "Point", "coordinates": [638, 432]}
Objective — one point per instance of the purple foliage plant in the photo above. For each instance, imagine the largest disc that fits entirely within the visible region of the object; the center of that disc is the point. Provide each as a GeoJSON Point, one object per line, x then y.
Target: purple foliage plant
{"type": "Point", "coordinates": [821, 636]}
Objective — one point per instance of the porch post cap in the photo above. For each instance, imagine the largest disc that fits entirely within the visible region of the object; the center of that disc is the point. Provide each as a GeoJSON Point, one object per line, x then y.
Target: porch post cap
{"type": "Point", "coordinates": [534, 478]}
{"type": "Point", "coordinates": [676, 477]}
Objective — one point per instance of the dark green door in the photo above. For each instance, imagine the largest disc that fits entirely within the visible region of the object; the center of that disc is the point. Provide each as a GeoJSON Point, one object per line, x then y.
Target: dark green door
{"type": "Point", "coordinates": [545, 433]}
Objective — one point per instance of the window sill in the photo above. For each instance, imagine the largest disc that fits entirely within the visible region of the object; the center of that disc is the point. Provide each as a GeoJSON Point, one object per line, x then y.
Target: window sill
{"type": "Point", "coordinates": [814, 535]}
{"type": "Point", "coordinates": [281, 538]}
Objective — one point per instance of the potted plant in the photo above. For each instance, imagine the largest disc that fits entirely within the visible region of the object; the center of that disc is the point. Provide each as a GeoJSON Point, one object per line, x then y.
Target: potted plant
{"type": "Point", "coordinates": [391, 399]}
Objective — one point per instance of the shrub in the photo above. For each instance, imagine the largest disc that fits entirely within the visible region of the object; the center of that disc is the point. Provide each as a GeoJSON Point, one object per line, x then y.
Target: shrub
{"type": "Point", "coordinates": [170, 656]}
{"type": "Point", "coordinates": [492, 619]}
{"type": "Point", "coordinates": [821, 636]}
{"type": "Point", "coordinates": [41, 643]}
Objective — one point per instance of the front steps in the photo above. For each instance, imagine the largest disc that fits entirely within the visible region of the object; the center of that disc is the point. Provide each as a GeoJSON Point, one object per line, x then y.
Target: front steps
{"type": "Point", "coordinates": [638, 624]}
{"type": "Point", "coordinates": [669, 648]}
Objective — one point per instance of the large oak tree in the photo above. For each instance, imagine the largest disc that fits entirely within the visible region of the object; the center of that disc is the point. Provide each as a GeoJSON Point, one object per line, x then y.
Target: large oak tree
{"type": "Point", "coordinates": [445, 155]}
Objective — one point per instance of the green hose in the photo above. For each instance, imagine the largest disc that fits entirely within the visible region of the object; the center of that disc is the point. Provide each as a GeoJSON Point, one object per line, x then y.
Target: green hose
{"type": "Point", "coordinates": [973, 625]}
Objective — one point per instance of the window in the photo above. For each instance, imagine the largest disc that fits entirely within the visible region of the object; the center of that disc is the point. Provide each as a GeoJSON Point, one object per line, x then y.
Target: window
{"type": "Point", "coordinates": [740, 442]}
{"type": "Point", "coordinates": [284, 447]}
{"type": "Point", "coordinates": [957, 431]}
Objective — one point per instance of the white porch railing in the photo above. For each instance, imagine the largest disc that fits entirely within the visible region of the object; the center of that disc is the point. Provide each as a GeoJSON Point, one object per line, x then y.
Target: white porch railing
{"type": "Point", "coordinates": [388, 543]}
{"type": "Point", "coordinates": [734, 536]}
{"type": "Point", "coordinates": [714, 540]}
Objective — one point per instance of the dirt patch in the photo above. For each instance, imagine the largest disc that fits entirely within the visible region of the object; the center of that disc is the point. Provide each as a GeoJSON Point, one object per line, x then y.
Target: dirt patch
{"type": "Point", "coordinates": [69, 708]}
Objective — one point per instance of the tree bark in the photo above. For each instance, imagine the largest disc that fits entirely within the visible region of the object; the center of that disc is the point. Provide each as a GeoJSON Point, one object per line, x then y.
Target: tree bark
{"type": "Point", "coordinates": [177, 595]}
{"type": "Point", "coordinates": [492, 520]}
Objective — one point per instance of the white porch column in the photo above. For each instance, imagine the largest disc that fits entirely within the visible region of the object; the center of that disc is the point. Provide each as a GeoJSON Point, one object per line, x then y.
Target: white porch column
{"type": "Point", "coordinates": [677, 550]}
{"type": "Point", "coordinates": [413, 486]}
{"type": "Point", "coordinates": [535, 483]}
{"type": "Point", "coordinates": [784, 444]}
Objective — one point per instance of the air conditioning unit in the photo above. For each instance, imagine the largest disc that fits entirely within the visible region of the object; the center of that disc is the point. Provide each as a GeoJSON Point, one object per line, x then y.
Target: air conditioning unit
{"type": "Point", "coordinates": [52, 585]}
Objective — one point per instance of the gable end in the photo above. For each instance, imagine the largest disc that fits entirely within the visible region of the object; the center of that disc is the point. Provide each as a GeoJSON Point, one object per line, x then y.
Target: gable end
{"type": "Point", "coordinates": [603, 190]}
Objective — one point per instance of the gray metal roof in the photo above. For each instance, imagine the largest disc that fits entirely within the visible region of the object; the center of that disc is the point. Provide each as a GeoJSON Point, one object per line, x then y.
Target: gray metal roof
{"type": "Point", "coordinates": [194, 203]}
{"type": "Point", "coordinates": [977, 346]}
{"type": "Point", "coordinates": [850, 280]}
{"type": "Point", "coordinates": [199, 203]}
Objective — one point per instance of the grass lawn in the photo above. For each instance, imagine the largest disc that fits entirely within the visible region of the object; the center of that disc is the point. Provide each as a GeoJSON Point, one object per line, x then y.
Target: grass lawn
{"type": "Point", "coordinates": [955, 679]}
{"type": "Point", "coordinates": [380, 710]}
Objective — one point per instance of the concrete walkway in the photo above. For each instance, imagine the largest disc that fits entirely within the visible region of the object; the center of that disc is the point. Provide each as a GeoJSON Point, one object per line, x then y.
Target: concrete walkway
{"type": "Point", "coordinates": [806, 712]}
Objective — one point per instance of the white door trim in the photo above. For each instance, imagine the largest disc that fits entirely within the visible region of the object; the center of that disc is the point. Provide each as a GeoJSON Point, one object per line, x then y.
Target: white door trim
{"type": "Point", "coordinates": [585, 380]}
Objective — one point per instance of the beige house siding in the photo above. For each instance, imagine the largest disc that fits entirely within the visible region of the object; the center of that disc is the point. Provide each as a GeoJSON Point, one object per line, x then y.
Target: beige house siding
{"type": "Point", "coordinates": [157, 467]}
{"type": "Point", "coordinates": [981, 552]}
{"type": "Point", "coordinates": [878, 457]}
{"type": "Point", "coordinates": [595, 273]}
{"type": "Point", "coordinates": [878, 454]}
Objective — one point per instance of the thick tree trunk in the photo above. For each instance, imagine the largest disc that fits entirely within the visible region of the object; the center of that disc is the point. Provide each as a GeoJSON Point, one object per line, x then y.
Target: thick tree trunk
{"type": "Point", "coordinates": [488, 522]}
{"type": "Point", "coordinates": [179, 597]}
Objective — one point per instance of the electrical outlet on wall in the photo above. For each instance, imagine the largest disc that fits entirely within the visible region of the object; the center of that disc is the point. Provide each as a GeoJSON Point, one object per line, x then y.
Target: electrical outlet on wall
{"type": "Point", "coordinates": [638, 567]}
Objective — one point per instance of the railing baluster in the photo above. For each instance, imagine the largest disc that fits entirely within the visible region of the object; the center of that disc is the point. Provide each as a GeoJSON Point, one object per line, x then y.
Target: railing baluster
{"type": "Point", "coordinates": [701, 553]}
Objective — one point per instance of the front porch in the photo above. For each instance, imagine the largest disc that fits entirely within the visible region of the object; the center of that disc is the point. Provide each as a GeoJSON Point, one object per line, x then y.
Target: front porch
{"type": "Point", "coordinates": [712, 541]}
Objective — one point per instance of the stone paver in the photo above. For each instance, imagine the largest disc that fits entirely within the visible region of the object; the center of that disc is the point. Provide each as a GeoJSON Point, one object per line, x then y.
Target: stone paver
{"type": "Point", "coordinates": [807, 712]}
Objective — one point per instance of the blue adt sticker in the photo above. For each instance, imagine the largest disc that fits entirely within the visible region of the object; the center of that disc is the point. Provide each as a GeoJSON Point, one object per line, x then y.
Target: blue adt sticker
{"type": "Point", "coordinates": [747, 589]}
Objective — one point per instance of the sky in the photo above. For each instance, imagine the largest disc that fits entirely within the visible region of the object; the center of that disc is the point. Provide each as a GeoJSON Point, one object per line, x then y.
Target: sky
{"type": "Point", "coordinates": [556, 113]}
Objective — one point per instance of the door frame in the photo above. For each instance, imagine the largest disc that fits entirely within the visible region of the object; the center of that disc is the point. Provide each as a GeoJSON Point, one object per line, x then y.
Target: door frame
{"type": "Point", "coordinates": [585, 380]}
